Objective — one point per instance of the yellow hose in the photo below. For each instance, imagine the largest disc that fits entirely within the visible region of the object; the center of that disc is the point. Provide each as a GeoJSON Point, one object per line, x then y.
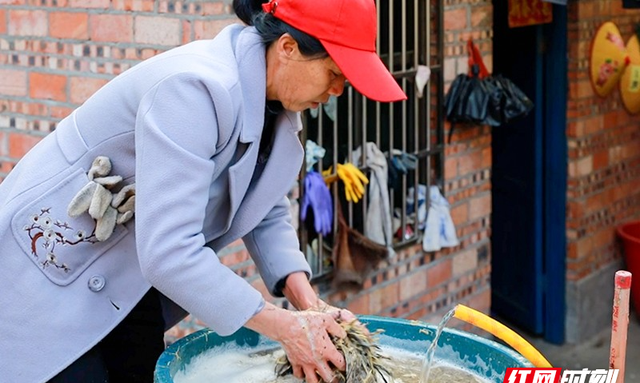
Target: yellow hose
{"type": "Point", "coordinates": [501, 331]}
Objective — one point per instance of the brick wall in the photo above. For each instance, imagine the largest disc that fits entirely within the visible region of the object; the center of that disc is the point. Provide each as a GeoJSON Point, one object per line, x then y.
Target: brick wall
{"type": "Point", "coordinates": [603, 187]}
{"type": "Point", "coordinates": [56, 53]}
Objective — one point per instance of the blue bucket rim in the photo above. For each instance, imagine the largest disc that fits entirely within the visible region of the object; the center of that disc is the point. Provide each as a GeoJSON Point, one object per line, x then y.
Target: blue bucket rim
{"type": "Point", "coordinates": [163, 374]}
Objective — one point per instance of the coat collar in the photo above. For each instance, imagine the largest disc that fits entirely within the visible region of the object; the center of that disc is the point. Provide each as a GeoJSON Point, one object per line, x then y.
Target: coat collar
{"type": "Point", "coordinates": [251, 59]}
{"type": "Point", "coordinates": [254, 197]}
{"type": "Point", "coordinates": [252, 69]}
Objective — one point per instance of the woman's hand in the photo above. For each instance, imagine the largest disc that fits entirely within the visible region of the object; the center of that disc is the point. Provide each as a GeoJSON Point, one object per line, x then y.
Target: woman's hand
{"type": "Point", "coordinates": [299, 292]}
{"type": "Point", "coordinates": [306, 339]}
{"type": "Point", "coordinates": [341, 315]}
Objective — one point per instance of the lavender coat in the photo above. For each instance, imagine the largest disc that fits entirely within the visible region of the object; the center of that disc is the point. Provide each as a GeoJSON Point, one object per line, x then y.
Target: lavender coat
{"type": "Point", "coordinates": [185, 126]}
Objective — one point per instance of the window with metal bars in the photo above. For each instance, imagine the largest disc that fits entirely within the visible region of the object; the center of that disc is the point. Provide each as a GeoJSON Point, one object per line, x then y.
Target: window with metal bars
{"type": "Point", "coordinates": [410, 38]}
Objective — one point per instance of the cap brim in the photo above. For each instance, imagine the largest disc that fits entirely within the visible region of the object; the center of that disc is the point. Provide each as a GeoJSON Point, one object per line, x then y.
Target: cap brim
{"type": "Point", "coordinates": [366, 72]}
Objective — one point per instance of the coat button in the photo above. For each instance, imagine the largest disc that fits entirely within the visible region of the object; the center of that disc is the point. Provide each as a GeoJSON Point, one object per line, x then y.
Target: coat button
{"type": "Point", "coordinates": [96, 283]}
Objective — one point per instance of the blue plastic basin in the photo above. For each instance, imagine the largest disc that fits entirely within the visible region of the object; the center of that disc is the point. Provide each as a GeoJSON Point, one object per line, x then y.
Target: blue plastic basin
{"type": "Point", "coordinates": [484, 357]}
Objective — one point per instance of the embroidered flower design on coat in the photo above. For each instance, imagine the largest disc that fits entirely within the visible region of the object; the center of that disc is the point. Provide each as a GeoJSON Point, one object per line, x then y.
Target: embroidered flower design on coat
{"type": "Point", "coordinates": [47, 233]}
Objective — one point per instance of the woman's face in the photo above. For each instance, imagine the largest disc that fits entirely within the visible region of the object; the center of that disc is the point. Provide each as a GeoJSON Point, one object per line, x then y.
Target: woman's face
{"type": "Point", "coordinates": [297, 81]}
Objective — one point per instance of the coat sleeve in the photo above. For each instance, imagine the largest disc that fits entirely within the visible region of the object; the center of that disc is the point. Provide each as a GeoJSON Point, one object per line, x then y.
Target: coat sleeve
{"type": "Point", "coordinates": [176, 136]}
{"type": "Point", "coordinates": [275, 248]}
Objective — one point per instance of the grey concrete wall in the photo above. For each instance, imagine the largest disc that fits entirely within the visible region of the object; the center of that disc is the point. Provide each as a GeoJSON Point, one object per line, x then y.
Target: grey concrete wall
{"type": "Point", "coordinates": [589, 305]}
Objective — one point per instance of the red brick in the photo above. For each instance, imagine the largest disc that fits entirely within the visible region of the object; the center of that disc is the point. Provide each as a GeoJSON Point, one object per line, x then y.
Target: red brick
{"type": "Point", "coordinates": [601, 159]}
{"type": "Point", "coordinates": [186, 31]}
{"type": "Point", "coordinates": [575, 209]}
{"type": "Point", "coordinates": [487, 158]}
{"type": "Point", "coordinates": [413, 284]}
{"type": "Point", "coordinates": [479, 206]}
{"type": "Point", "coordinates": [36, 109]}
{"type": "Point", "coordinates": [20, 144]}
{"type": "Point", "coordinates": [28, 23]}
{"type": "Point", "coordinates": [60, 111]}
{"type": "Point", "coordinates": [482, 17]}
{"type": "Point", "coordinates": [375, 301]}
{"type": "Point", "coordinates": [611, 119]}
{"type": "Point", "coordinates": [390, 294]}
{"type": "Point", "coordinates": [90, 4]}
{"type": "Point", "coordinates": [383, 298]}
{"type": "Point", "coordinates": [594, 125]}
{"type": "Point", "coordinates": [439, 273]}
{"type": "Point", "coordinates": [586, 10]}
{"type": "Point", "coordinates": [360, 305]}
{"type": "Point", "coordinates": [603, 238]}
{"type": "Point", "coordinates": [68, 25]}
{"type": "Point", "coordinates": [455, 19]}
{"type": "Point", "coordinates": [125, 5]}
{"type": "Point", "coordinates": [13, 82]}
{"type": "Point", "coordinates": [583, 247]}
{"type": "Point", "coordinates": [206, 29]}
{"type": "Point", "coordinates": [464, 262]}
{"type": "Point", "coordinates": [47, 86]}
{"type": "Point", "coordinates": [157, 30]}
{"type": "Point", "coordinates": [450, 72]}
{"type": "Point", "coordinates": [460, 213]}
{"type": "Point", "coordinates": [148, 53]}
{"type": "Point", "coordinates": [143, 5]}
{"type": "Point", "coordinates": [450, 167]}
{"type": "Point", "coordinates": [213, 8]}
{"type": "Point", "coordinates": [6, 167]}
{"type": "Point", "coordinates": [582, 167]}
{"type": "Point", "coordinates": [481, 301]}
{"type": "Point", "coordinates": [470, 162]}
{"type": "Point", "coordinates": [111, 28]}
{"type": "Point", "coordinates": [584, 89]}
{"type": "Point", "coordinates": [81, 88]}
{"type": "Point", "coordinates": [4, 146]}
{"type": "Point", "coordinates": [3, 22]}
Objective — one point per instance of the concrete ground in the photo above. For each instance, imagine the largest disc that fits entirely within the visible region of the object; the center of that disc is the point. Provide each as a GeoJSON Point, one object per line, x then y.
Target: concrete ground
{"type": "Point", "coordinates": [595, 352]}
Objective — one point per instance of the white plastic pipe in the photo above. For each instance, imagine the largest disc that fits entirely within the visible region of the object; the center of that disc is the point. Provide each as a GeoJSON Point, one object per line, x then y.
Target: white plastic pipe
{"type": "Point", "coordinates": [620, 323]}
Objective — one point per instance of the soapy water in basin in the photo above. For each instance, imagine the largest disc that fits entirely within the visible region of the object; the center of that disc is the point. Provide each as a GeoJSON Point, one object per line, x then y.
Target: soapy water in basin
{"type": "Point", "coordinates": [243, 365]}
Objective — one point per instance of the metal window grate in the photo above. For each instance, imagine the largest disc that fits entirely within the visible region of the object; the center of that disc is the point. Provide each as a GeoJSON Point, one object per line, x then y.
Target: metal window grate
{"type": "Point", "coordinates": [410, 35]}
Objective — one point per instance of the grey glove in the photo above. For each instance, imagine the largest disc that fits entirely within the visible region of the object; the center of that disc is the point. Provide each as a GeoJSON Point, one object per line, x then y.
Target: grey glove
{"type": "Point", "coordinates": [106, 208]}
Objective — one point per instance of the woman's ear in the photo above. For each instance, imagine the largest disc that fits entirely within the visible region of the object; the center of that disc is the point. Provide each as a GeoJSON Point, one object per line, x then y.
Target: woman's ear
{"type": "Point", "coordinates": [287, 46]}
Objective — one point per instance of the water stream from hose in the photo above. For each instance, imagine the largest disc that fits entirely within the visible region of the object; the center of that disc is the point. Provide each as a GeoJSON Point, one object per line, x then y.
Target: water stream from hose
{"type": "Point", "coordinates": [426, 365]}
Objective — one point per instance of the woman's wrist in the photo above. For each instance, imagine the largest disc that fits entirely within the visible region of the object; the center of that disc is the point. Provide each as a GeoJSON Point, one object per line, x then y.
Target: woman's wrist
{"type": "Point", "coordinates": [299, 292]}
{"type": "Point", "coordinates": [268, 321]}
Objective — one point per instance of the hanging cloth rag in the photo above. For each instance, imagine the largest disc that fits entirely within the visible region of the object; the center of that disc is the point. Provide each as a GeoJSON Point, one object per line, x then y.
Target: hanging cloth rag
{"type": "Point", "coordinates": [399, 164]}
{"type": "Point", "coordinates": [439, 231]}
{"type": "Point", "coordinates": [417, 210]}
{"type": "Point", "coordinates": [313, 153]}
{"type": "Point", "coordinates": [330, 108]}
{"type": "Point", "coordinates": [354, 255]}
{"type": "Point", "coordinates": [378, 224]}
{"type": "Point", "coordinates": [422, 78]}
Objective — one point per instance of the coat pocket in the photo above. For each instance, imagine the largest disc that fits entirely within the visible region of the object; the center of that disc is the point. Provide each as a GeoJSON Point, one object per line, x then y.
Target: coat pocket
{"type": "Point", "coordinates": [60, 246]}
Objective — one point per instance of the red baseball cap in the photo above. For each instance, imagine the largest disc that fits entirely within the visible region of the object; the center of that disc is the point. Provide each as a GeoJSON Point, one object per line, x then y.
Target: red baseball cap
{"type": "Point", "coordinates": [347, 29]}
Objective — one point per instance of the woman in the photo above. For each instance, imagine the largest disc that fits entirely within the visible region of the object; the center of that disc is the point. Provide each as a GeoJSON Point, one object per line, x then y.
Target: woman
{"type": "Point", "coordinates": [202, 140]}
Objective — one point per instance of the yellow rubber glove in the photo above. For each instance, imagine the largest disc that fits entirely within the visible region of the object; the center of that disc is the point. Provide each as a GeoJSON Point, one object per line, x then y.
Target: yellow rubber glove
{"type": "Point", "coordinates": [353, 180]}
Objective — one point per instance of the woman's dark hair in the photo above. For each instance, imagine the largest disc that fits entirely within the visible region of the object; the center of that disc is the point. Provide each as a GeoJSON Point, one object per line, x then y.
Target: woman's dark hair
{"type": "Point", "coordinates": [271, 28]}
